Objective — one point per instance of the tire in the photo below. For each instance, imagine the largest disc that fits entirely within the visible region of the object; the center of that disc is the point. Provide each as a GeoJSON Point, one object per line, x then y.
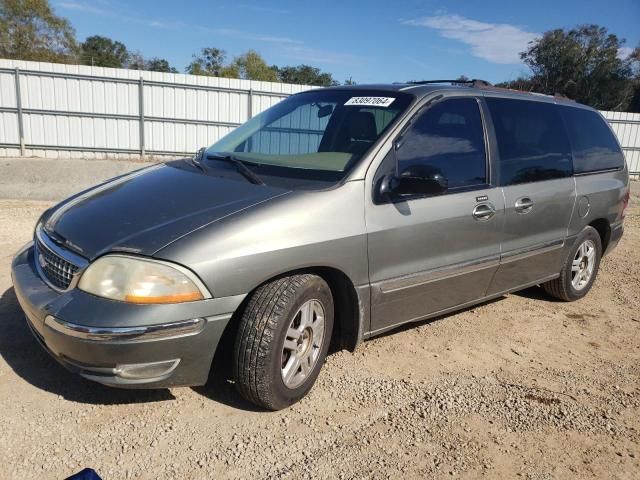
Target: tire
{"type": "Point", "coordinates": [566, 287]}
{"type": "Point", "coordinates": [274, 315]}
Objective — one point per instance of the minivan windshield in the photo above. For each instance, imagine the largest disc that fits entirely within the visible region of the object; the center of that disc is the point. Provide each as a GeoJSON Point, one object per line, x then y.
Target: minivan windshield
{"type": "Point", "coordinates": [315, 136]}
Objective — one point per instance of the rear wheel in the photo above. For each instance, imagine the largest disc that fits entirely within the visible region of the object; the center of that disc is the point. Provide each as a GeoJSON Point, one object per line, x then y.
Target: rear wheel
{"type": "Point", "coordinates": [282, 340]}
{"type": "Point", "coordinates": [580, 268]}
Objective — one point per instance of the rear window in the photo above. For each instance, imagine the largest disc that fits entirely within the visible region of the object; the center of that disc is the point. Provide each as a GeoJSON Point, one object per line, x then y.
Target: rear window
{"type": "Point", "coordinates": [532, 141]}
{"type": "Point", "coordinates": [594, 145]}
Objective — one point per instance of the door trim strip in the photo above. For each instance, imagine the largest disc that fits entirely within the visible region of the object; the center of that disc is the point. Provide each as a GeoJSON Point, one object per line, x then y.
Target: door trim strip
{"type": "Point", "coordinates": [457, 308]}
{"type": "Point", "coordinates": [463, 268]}
{"type": "Point", "coordinates": [526, 252]}
{"type": "Point", "coordinates": [436, 274]}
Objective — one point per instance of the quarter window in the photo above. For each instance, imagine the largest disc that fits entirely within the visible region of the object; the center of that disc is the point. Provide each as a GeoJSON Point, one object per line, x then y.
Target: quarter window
{"type": "Point", "coordinates": [449, 139]}
{"type": "Point", "coordinates": [594, 145]}
{"type": "Point", "coordinates": [532, 141]}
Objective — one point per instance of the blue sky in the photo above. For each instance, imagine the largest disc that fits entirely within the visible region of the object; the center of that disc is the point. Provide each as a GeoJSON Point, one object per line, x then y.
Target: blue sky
{"type": "Point", "coordinates": [369, 40]}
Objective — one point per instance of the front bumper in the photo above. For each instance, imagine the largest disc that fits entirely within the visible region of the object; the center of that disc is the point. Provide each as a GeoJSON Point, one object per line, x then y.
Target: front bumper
{"type": "Point", "coordinates": [120, 344]}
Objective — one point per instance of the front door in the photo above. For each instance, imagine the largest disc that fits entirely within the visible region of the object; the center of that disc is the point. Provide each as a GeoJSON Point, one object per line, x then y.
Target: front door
{"type": "Point", "coordinates": [431, 253]}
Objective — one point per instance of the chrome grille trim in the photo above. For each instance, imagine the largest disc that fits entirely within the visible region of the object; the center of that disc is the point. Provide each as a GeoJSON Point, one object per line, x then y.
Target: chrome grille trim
{"type": "Point", "coordinates": [61, 267]}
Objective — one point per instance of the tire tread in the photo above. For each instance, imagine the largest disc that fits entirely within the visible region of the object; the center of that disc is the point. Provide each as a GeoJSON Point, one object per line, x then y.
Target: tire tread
{"type": "Point", "coordinates": [560, 287]}
{"type": "Point", "coordinates": [256, 334]}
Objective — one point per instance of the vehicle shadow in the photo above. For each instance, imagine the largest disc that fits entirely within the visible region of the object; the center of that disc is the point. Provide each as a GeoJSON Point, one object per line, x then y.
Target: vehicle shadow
{"type": "Point", "coordinates": [537, 293]}
{"type": "Point", "coordinates": [29, 361]}
{"type": "Point", "coordinates": [220, 387]}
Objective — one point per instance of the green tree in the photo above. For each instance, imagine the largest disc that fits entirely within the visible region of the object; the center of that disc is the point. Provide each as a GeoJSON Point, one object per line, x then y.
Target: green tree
{"type": "Point", "coordinates": [136, 61]}
{"type": "Point", "coordinates": [210, 62]}
{"type": "Point", "coordinates": [159, 65]}
{"type": "Point", "coordinates": [29, 30]}
{"type": "Point", "coordinates": [349, 81]}
{"type": "Point", "coordinates": [250, 66]}
{"type": "Point", "coordinates": [103, 52]}
{"type": "Point", "coordinates": [582, 63]}
{"type": "Point", "coordinates": [520, 83]}
{"type": "Point", "coordinates": [305, 75]}
{"type": "Point", "coordinates": [462, 79]}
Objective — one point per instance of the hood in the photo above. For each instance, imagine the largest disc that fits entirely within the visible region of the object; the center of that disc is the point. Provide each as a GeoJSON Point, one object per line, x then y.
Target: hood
{"type": "Point", "coordinates": [146, 210]}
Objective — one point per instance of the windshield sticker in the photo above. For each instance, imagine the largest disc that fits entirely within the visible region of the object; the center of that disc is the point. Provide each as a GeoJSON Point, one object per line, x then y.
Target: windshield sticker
{"type": "Point", "coordinates": [371, 101]}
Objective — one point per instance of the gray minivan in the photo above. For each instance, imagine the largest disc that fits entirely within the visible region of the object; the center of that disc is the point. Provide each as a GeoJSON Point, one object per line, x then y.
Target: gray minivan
{"type": "Point", "coordinates": [333, 216]}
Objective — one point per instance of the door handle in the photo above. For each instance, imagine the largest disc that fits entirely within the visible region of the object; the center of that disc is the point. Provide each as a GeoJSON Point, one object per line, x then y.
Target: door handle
{"type": "Point", "coordinates": [523, 205]}
{"type": "Point", "coordinates": [484, 211]}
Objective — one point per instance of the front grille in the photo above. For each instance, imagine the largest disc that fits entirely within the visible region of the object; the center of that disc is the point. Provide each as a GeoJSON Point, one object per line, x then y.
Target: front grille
{"type": "Point", "coordinates": [55, 269]}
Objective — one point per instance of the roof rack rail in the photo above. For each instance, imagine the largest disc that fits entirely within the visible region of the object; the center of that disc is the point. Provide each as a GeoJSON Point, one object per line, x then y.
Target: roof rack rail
{"type": "Point", "coordinates": [474, 82]}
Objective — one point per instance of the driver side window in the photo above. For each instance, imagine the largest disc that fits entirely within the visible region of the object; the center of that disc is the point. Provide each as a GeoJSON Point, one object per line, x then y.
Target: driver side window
{"type": "Point", "coordinates": [448, 139]}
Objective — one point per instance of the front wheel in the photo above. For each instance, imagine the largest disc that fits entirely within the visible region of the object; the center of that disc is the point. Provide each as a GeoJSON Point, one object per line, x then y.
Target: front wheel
{"type": "Point", "coordinates": [282, 340]}
{"type": "Point", "coordinates": [580, 268]}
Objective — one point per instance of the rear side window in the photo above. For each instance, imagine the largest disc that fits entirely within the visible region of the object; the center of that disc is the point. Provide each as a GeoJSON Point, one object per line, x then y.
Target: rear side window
{"type": "Point", "coordinates": [449, 139]}
{"type": "Point", "coordinates": [532, 141]}
{"type": "Point", "coordinates": [593, 143]}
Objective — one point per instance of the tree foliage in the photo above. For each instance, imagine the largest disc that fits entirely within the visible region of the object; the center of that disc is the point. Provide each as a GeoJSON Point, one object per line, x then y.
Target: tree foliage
{"type": "Point", "coordinates": [136, 61]}
{"type": "Point", "coordinates": [306, 75]}
{"type": "Point", "coordinates": [155, 64]}
{"type": "Point", "coordinates": [521, 83]}
{"type": "Point", "coordinates": [582, 63]}
{"type": "Point", "coordinates": [29, 30]}
{"type": "Point", "coordinates": [104, 52]}
{"type": "Point", "coordinates": [159, 65]}
{"type": "Point", "coordinates": [210, 61]}
{"type": "Point", "coordinates": [250, 66]}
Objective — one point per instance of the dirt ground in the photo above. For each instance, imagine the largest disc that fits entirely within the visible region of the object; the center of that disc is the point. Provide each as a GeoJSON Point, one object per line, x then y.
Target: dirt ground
{"type": "Point", "coordinates": [519, 387]}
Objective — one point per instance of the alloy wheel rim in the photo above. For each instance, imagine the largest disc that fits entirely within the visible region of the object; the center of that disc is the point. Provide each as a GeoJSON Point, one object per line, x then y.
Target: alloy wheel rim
{"type": "Point", "coordinates": [303, 343]}
{"type": "Point", "coordinates": [583, 265]}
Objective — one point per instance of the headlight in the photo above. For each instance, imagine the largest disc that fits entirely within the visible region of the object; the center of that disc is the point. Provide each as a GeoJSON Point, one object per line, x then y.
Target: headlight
{"type": "Point", "coordinates": [141, 280]}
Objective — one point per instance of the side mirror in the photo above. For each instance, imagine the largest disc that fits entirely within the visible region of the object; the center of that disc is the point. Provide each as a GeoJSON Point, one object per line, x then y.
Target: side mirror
{"type": "Point", "coordinates": [414, 180]}
{"type": "Point", "coordinates": [325, 110]}
{"type": "Point", "coordinates": [197, 157]}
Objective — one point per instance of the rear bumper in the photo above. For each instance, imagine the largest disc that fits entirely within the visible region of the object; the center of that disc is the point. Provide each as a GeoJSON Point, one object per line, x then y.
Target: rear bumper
{"type": "Point", "coordinates": [119, 344]}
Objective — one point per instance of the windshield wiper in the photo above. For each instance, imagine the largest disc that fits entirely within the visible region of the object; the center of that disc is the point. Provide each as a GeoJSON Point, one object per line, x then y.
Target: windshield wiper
{"type": "Point", "coordinates": [240, 166]}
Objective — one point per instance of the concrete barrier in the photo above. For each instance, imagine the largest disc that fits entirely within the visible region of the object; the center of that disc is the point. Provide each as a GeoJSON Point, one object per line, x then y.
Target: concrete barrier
{"type": "Point", "coordinates": [46, 179]}
{"type": "Point", "coordinates": [57, 179]}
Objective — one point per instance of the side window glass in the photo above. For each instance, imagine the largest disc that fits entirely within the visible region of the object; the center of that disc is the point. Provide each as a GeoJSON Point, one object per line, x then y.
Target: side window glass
{"type": "Point", "coordinates": [594, 145]}
{"type": "Point", "coordinates": [448, 139]}
{"type": "Point", "coordinates": [532, 141]}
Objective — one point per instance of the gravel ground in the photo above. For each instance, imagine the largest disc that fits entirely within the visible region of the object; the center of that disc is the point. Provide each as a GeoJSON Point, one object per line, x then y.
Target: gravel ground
{"type": "Point", "coordinates": [522, 386]}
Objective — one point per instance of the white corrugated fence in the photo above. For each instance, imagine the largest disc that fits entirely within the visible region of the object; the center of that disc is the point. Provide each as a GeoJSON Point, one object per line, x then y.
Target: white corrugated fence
{"type": "Point", "coordinates": [54, 110]}
{"type": "Point", "coordinates": [627, 128]}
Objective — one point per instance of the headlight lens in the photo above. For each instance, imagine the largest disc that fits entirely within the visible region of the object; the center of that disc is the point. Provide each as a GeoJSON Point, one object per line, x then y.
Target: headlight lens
{"type": "Point", "coordinates": [140, 280]}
